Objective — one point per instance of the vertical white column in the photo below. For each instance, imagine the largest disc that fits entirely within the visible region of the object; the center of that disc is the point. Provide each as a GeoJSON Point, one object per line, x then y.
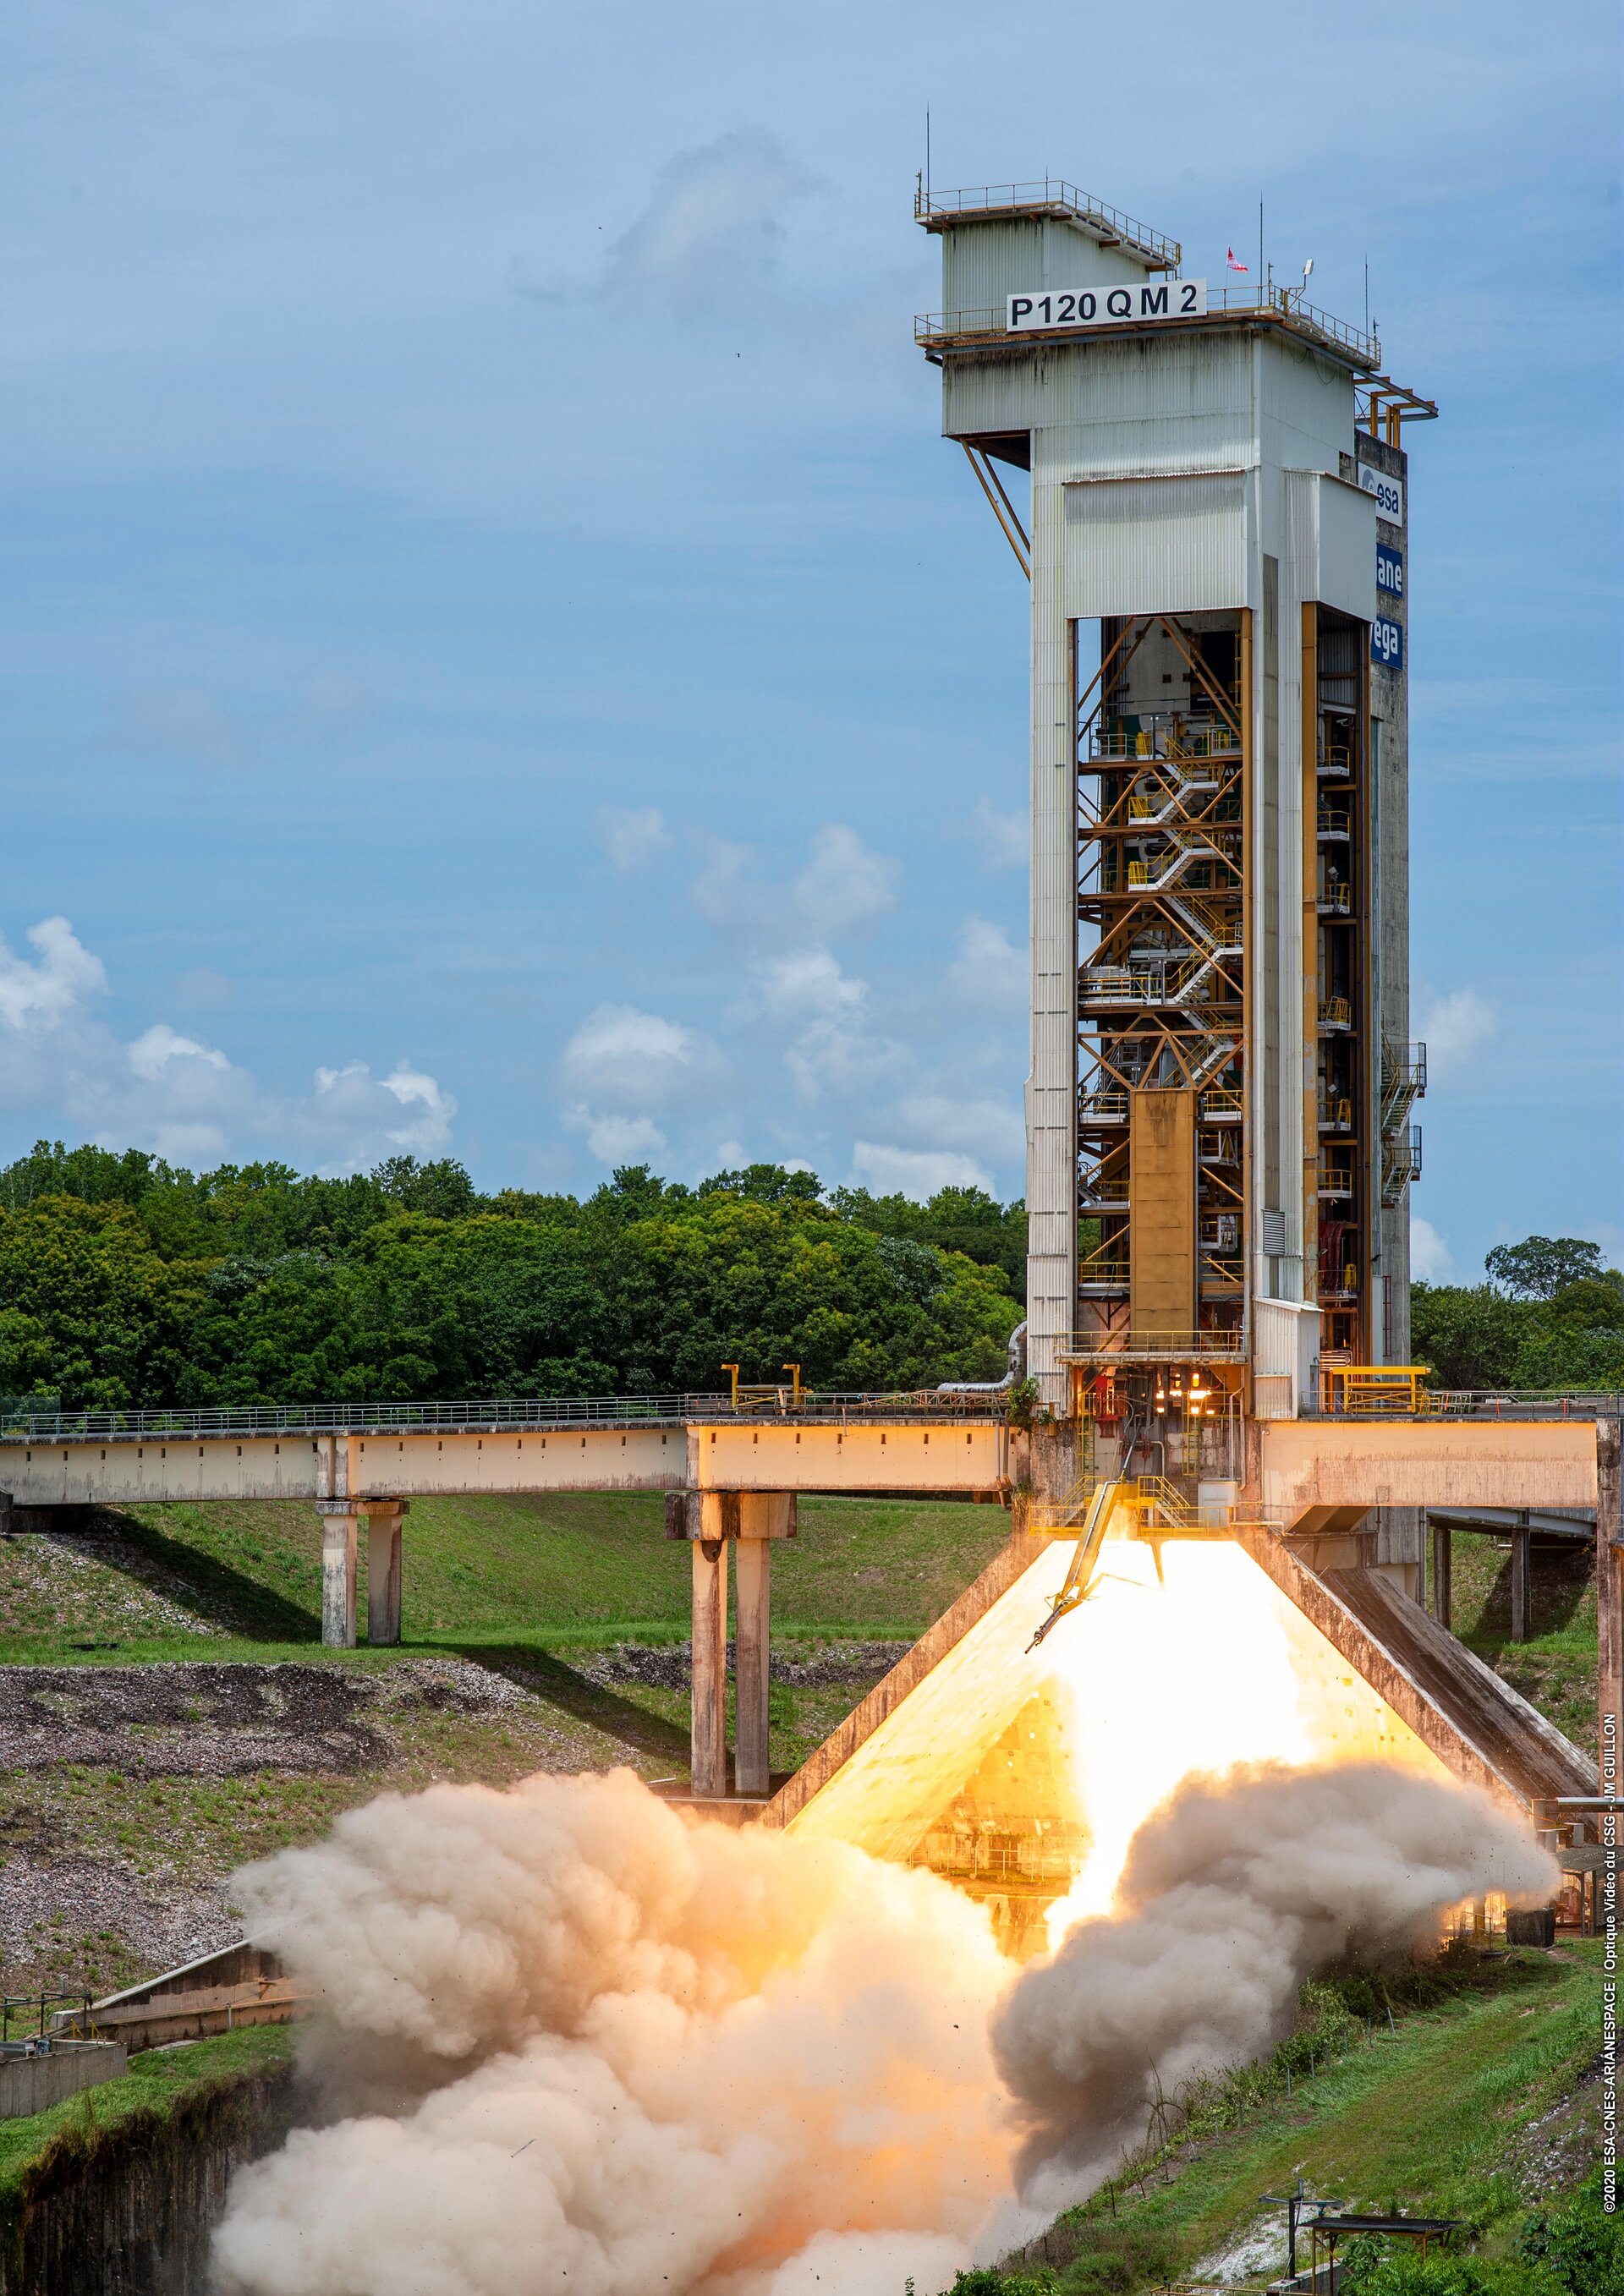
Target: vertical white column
{"type": "Point", "coordinates": [1051, 1148]}
{"type": "Point", "coordinates": [1298, 553]}
{"type": "Point", "coordinates": [338, 1576]}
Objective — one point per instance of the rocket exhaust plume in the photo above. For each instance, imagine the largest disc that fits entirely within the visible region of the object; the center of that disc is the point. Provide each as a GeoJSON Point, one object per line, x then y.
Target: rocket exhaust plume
{"type": "Point", "coordinates": [647, 2057]}
{"type": "Point", "coordinates": [1238, 1889]}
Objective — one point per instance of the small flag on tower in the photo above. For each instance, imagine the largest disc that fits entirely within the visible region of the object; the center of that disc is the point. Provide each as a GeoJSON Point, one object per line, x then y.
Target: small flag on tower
{"type": "Point", "coordinates": [1233, 265]}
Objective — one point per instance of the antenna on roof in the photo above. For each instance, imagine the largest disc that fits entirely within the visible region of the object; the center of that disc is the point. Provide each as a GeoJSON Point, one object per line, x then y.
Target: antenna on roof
{"type": "Point", "coordinates": [927, 158]}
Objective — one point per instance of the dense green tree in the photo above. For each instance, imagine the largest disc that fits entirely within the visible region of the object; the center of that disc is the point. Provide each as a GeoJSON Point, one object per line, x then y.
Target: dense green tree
{"type": "Point", "coordinates": [965, 1220]}
{"type": "Point", "coordinates": [251, 1285]}
{"type": "Point", "coordinates": [1468, 1335]}
{"type": "Point", "coordinates": [1540, 1265]}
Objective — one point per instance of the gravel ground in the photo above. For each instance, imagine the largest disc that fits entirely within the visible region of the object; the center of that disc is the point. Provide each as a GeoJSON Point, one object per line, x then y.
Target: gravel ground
{"type": "Point", "coordinates": [671, 1666]}
{"type": "Point", "coordinates": [129, 1793]}
{"type": "Point", "coordinates": [48, 1904]}
{"type": "Point", "coordinates": [92, 1580]}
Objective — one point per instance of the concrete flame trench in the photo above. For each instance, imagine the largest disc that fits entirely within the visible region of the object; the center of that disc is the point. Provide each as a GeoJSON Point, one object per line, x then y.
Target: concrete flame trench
{"type": "Point", "coordinates": [731, 1482]}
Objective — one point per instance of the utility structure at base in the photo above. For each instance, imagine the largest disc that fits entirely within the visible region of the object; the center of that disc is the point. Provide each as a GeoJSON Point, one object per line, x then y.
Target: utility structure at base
{"type": "Point", "coordinates": [1218, 1137]}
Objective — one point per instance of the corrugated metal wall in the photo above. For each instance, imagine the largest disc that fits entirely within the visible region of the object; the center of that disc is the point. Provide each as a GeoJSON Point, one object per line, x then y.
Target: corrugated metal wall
{"type": "Point", "coordinates": [1155, 545]}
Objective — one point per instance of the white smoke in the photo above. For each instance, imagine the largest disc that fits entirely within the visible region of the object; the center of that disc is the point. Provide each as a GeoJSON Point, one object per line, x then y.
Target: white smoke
{"type": "Point", "coordinates": [702, 2048]}
{"type": "Point", "coordinates": [648, 2057]}
{"type": "Point", "coordinates": [1240, 1888]}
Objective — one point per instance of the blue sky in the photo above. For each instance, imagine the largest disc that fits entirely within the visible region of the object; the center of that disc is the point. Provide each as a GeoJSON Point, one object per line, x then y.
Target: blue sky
{"type": "Point", "coordinates": [499, 662]}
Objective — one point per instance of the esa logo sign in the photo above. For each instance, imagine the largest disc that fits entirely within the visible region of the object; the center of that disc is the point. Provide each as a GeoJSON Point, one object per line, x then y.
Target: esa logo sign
{"type": "Point", "coordinates": [1390, 572]}
{"type": "Point", "coordinates": [1389, 492]}
{"type": "Point", "coordinates": [1387, 645]}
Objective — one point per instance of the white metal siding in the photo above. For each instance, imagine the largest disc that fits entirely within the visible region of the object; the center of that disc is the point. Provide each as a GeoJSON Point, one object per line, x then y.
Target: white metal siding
{"type": "Point", "coordinates": [1347, 522]}
{"type": "Point", "coordinates": [1155, 545]}
{"type": "Point", "coordinates": [987, 262]}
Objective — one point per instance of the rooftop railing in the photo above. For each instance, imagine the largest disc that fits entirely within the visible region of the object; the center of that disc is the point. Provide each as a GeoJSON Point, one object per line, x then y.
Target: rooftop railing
{"type": "Point", "coordinates": [1057, 197]}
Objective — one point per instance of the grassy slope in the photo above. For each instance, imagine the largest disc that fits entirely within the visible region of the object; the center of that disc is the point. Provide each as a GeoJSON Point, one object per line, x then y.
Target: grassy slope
{"type": "Point", "coordinates": [1436, 2121]}
{"type": "Point", "coordinates": [583, 1571]}
{"type": "Point", "coordinates": [1555, 1670]}
{"type": "Point", "coordinates": [156, 2082]}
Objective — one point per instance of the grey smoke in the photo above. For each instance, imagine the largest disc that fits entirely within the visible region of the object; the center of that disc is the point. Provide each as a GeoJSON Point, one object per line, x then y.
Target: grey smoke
{"type": "Point", "coordinates": [1237, 1890]}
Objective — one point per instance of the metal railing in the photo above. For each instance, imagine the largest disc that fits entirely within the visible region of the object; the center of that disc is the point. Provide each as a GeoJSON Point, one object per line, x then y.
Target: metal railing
{"type": "Point", "coordinates": [499, 1416]}
{"type": "Point", "coordinates": [1051, 192]}
{"type": "Point", "coordinates": [1108, 1348]}
{"type": "Point", "coordinates": [30, 2013]}
{"type": "Point", "coordinates": [1400, 1163]}
{"type": "Point", "coordinates": [1278, 308]}
{"type": "Point", "coordinates": [1174, 739]}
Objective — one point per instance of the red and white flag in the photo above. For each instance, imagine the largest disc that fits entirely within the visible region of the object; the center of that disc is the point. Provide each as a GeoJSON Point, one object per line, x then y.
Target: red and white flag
{"type": "Point", "coordinates": [1233, 265]}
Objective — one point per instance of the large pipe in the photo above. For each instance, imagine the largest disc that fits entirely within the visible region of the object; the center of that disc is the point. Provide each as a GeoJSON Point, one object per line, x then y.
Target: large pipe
{"type": "Point", "coordinates": [1017, 1371]}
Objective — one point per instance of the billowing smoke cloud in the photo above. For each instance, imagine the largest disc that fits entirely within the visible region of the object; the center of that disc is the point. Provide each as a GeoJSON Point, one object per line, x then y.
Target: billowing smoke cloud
{"type": "Point", "coordinates": [639, 2057]}
{"type": "Point", "coordinates": [1238, 1889]}
{"type": "Point", "coordinates": [692, 2051]}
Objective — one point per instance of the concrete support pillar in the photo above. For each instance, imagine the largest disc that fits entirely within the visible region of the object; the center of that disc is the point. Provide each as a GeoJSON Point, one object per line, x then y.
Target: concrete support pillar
{"type": "Point", "coordinates": [712, 1521]}
{"type": "Point", "coordinates": [709, 1758]}
{"type": "Point", "coordinates": [338, 1575]}
{"type": "Point", "coordinates": [1443, 1557]}
{"type": "Point", "coordinates": [1608, 1604]}
{"type": "Point", "coordinates": [1522, 1541]}
{"type": "Point", "coordinates": [753, 1659]}
{"type": "Point", "coordinates": [383, 1524]}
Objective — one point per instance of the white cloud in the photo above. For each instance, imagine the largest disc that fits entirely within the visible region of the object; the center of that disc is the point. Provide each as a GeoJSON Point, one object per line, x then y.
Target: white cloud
{"type": "Point", "coordinates": [1004, 839]}
{"type": "Point", "coordinates": [1430, 1259]}
{"type": "Point", "coordinates": [1454, 1027]}
{"type": "Point", "coordinates": [418, 1123]}
{"type": "Point", "coordinates": [990, 1130]}
{"type": "Point", "coordinates": [809, 980]}
{"type": "Point", "coordinates": [157, 1046]}
{"type": "Point", "coordinates": [184, 1100]}
{"type": "Point", "coordinates": [713, 226]}
{"type": "Point", "coordinates": [917, 1172]}
{"type": "Point", "coordinates": [989, 974]}
{"type": "Point", "coordinates": [40, 995]}
{"type": "Point", "coordinates": [632, 835]}
{"type": "Point", "coordinates": [617, 1139]}
{"type": "Point", "coordinates": [843, 883]}
{"type": "Point", "coordinates": [633, 1060]}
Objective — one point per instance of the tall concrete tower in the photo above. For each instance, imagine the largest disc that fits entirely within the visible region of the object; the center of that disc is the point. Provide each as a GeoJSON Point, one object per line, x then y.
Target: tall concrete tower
{"type": "Point", "coordinates": [1218, 1142]}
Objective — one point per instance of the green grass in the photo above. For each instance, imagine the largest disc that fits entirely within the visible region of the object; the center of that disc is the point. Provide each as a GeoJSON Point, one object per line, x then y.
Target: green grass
{"type": "Point", "coordinates": [1433, 2121]}
{"type": "Point", "coordinates": [1556, 1669]}
{"type": "Point", "coordinates": [240, 1579]}
{"type": "Point", "coordinates": [157, 2082]}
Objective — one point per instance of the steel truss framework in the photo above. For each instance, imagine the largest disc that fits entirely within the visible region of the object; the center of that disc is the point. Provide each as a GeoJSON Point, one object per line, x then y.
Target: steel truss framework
{"type": "Point", "coordinates": [1161, 993]}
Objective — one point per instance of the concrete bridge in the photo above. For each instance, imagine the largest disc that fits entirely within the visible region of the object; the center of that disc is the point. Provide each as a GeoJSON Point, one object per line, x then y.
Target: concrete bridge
{"type": "Point", "coordinates": [731, 1473]}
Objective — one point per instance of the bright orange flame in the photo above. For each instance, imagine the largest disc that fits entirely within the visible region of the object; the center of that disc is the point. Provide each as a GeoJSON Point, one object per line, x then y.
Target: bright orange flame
{"type": "Point", "coordinates": [1155, 1678]}
{"type": "Point", "coordinates": [1208, 1666]}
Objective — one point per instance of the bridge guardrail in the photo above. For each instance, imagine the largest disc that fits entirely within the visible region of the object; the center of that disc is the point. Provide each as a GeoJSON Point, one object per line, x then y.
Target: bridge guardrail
{"type": "Point", "coordinates": [502, 1415]}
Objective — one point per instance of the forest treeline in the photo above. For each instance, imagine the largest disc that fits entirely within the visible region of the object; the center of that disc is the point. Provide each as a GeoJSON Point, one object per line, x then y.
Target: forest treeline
{"type": "Point", "coordinates": [125, 1281]}
{"type": "Point", "coordinates": [128, 1282]}
{"type": "Point", "coordinates": [1550, 1315]}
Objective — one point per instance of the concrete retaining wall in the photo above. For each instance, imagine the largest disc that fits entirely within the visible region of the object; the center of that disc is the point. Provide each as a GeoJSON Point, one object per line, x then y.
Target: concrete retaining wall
{"type": "Point", "coordinates": [33, 2084]}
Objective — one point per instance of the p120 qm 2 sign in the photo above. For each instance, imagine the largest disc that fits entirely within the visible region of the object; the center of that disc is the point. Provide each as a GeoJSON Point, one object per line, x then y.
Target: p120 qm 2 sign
{"type": "Point", "coordinates": [1107, 307]}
